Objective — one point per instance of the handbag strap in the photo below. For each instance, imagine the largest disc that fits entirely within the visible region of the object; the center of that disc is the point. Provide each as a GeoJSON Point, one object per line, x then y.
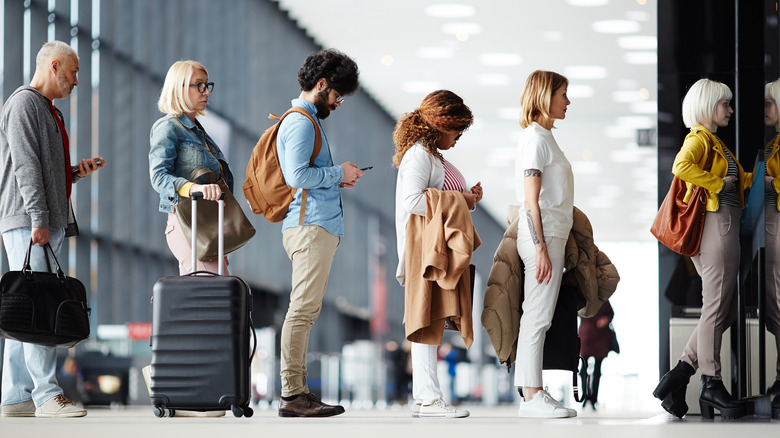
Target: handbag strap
{"type": "Point", "coordinates": [47, 249]}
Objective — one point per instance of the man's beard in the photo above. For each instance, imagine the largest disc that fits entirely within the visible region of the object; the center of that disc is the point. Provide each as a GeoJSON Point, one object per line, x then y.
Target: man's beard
{"type": "Point", "coordinates": [63, 85]}
{"type": "Point", "coordinates": [321, 103]}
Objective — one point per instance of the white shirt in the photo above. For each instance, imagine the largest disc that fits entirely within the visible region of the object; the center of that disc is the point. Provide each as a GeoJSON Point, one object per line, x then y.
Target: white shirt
{"type": "Point", "coordinates": [537, 149]}
{"type": "Point", "coordinates": [418, 171]}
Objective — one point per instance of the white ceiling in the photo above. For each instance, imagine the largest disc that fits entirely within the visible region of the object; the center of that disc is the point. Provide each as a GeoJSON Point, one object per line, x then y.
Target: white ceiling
{"type": "Point", "coordinates": [484, 53]}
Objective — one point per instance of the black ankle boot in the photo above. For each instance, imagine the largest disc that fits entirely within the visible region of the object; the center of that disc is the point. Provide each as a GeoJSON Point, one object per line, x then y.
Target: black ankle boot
{"type": "Point", "coordinates": [674, 403]}
{"type": "Point", "coordinates": [776, 407]}
{"type": "Point", "coordinates": [714, 395]}
{"type": "Point", "coordinates": [671, 389]}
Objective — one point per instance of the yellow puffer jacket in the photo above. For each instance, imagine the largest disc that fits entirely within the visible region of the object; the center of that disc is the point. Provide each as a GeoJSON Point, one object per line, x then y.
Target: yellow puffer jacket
{"type": "Point", "coordinates": [773, 165]}
{"type": "Point", "coordinates": [589, 269]}
{"type": "Point", "coordinates": [690, 161]}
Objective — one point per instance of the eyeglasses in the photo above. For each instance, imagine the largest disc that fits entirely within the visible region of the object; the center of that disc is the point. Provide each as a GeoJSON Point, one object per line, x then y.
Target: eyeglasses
{"type": "Point", "coordinates": [202, 86]}
{"type": "Point", "coordinates": [339, 98]}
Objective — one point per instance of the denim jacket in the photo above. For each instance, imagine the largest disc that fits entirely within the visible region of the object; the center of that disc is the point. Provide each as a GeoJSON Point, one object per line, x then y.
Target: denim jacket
{"type": "Point", "coordinates": [178, 146]}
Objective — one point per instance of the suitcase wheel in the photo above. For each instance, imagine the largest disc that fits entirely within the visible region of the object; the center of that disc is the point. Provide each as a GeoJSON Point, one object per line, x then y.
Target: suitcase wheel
{"type": "Point", "coordinates": [248, 412]}
{"type": "Point", "coordinates": [161, 412]}
{"type": "Point", "coordinates": [237, 411]}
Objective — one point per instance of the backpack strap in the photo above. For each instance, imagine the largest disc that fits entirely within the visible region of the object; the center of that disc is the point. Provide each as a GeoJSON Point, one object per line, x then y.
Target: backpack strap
{"type": "Point", "coordinates": [314, 153]}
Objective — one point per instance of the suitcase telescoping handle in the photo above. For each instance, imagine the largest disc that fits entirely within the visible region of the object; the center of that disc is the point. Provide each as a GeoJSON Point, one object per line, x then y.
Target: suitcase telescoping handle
{"type": "Point", "coordinates": [221, 232]}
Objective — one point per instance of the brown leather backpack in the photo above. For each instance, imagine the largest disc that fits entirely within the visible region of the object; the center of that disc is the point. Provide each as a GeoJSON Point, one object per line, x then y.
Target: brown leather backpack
{"type": "Point", "coordinates": [265, 188]}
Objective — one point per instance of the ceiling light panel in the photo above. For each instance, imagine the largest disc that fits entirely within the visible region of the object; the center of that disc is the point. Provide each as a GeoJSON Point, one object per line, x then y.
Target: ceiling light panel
{"type": "Point", "coordinates": [450, 11]}
{"type": "Point", "coordinates": [580, 91]}
{"type": "Point", "coordinates": [462, 28]}
{"type": "Point", "coordinates": [638, 42]}
{"type": "Point", "coordinates": [422, 87]}
{"type": "Point", "coordinates": [493, 79]}
{"type": "Point", "coordinates": [641, 58]}
{"type": "Point", "coordinates": [588, 3]}
{"type": "Point", "coordinates": [616, 26]}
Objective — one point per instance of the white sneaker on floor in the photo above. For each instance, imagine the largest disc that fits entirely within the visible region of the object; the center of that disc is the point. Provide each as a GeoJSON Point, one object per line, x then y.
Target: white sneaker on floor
{"type": "Point", "coordinates": [543, 405]}
{"type": "Point", "coordinates": [59, 407]}
{"type": "Point", "coordinates": [440, 409]}
{"type": "Point", "coordinates": [416, 409]}
{"type": "Point", "coordinates": [21, 409]}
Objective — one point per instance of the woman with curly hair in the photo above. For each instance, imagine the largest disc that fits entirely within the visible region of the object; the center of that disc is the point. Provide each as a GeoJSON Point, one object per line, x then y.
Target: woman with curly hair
{"type": "Point", "coordinates": [420, 137]}
{"type": "Point", "coordinates": [545, 191]}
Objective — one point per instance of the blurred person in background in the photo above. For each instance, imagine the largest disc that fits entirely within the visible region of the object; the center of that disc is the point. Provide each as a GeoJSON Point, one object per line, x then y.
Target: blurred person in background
{"type": "Point", "coordinates": [598, 339]}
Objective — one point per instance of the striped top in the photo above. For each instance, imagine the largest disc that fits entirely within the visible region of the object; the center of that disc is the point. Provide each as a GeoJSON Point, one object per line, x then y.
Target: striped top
{"type": "Point", "coordinates": [453, 179]}
{"type": "Point", "coordinates": [770, 196]}
{"type": "Point", "coordinates": [730, 198]}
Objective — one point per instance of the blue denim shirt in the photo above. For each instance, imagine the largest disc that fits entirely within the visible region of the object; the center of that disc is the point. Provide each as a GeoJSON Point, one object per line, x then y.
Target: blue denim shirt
{"type": "Point", "coordinates": [178, 146]}
{"type": "Point", "coordinates": [294, 145]}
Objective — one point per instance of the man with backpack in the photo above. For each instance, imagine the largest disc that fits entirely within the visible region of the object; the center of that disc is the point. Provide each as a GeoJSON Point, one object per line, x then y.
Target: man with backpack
{"type": "Point", "coordinates": [314, 223]}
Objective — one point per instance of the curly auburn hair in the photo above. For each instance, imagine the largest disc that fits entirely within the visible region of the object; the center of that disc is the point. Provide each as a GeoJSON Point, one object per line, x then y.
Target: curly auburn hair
{"type": "Point", "coordinates": [338, 69]}
{"type": "Point", "coordinates": [440, 111]}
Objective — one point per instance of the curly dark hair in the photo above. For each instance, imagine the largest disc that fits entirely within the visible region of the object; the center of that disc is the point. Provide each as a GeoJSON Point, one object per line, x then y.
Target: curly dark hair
{"type": "Point", "coordinates": [440, 111]}
{"type": "Point", "coordinates": [338, 69]}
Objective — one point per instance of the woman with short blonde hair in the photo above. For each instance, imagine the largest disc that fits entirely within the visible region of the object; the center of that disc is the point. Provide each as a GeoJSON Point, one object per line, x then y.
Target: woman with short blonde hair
{"type": "Point", "coordinates": [545, 190]}
{"type": "Point", "coordinates": [173, 98]}
{"type": "Point", "coordinates": [706, 107]}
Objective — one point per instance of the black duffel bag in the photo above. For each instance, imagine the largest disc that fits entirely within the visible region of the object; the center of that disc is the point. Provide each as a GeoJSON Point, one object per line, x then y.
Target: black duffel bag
{"type": "Point", "coordinates": [46, 308]}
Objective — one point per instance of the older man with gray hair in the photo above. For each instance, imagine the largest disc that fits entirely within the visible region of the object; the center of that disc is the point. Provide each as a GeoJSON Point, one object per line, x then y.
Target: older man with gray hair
{"type": "Point", "coordinates": [35, 185]}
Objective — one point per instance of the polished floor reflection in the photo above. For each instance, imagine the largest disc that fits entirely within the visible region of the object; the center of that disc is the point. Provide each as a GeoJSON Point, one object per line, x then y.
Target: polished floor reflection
{"type": "Point", "coordinates": [483, 423]}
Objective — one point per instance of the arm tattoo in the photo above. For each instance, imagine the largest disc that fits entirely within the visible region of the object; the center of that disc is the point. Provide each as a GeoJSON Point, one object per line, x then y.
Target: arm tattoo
{"type": "Point", "coordinates": [533, 173]}
{"type": "Point", "coordinates": [534, 236]}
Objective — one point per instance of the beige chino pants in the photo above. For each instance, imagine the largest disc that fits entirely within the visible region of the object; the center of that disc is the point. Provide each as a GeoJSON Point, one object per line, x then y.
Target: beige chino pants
{"type": "Point", "coordinates": [718, 267]}
{"type": "Point", "coordinates": [311, 249]}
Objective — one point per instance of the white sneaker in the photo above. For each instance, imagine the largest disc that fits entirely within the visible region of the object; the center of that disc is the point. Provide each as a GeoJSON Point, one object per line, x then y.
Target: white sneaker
{"type": "Point", "coordinates": [21, 409]}
{"type": "Point", "coordinates": [416, 409]}
{"type": "Point", "coordinates": [543, 405]}
{"type": "Point", "coordinates": [440, 409]}
{"type": "Point", "coordinates": [59, 407]}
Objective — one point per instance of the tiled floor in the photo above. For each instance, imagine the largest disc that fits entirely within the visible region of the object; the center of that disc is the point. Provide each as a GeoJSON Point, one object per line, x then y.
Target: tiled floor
{"type": "Point", "coordinates": [140, 422]}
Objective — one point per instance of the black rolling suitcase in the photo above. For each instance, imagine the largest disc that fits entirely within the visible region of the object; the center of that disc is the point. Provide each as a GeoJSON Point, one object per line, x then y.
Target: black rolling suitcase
{"type": "Point", "coordinates": [201, 327]}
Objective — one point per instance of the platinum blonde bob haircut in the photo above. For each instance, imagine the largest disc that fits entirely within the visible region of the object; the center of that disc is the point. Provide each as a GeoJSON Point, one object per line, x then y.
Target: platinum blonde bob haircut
{"type": "Point", "coordinates": [772, 90]}
{"type": "Point", "coordinates": [698, 106]}
{"type": "Point", "coordinates": [174, 97]}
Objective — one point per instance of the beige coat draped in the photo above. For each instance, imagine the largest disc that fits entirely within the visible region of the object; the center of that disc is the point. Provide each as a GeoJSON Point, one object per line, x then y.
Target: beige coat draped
{"type": "Point", "coordinates": [586, 267]}
{"type": "Point", "coordinates": [438, 282]}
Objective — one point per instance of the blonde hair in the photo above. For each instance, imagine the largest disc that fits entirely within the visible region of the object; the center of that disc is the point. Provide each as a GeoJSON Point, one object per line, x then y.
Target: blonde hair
{"type": "Point", "coordinates": [699, 103]}
{"type": "Point", "coordinates": [174, 97]}
{"type": "Point", "coordinates": [772, 90]}
{"type": "Point", "coordinates": [537, 95]}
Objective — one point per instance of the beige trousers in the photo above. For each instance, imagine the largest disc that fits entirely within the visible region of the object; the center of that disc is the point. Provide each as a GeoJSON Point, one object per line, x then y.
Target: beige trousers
{"type": "Point", "coordinates": [311, 250]}
{"type": "Point", "coordinates": [773, 276]}
{"type": "Point", "coordinates": [718, 266]}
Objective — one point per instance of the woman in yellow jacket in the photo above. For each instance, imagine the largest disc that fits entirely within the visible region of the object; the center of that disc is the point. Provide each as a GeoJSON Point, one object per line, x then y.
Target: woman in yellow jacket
{"type": "Point", "coordinates": [772, 219]}
{"type": "Point", "coordinates": [706, 108]}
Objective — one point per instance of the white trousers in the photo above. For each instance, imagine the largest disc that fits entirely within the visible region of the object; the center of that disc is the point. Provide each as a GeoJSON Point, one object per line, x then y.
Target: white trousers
{"type": "Point", "coordinates": [538, 308]}
{"type": "Point", "coordinates": [425, 381]}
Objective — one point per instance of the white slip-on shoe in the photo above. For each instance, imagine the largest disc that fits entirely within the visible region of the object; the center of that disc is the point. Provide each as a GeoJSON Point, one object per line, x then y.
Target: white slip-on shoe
{"type": "Point", "coordinates": [543, 405]}
{"type": "Point", "coordinates": [21, 409]}
{"type": "Point", "coordinates": [416, 409]}
{"type": "Point", "coordinates": [441, 409]}
{"type": "Point", "coordinates": [59, 407]}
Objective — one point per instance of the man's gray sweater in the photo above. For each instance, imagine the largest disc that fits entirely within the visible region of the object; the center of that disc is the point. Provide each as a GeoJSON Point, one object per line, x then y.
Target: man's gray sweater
{"type": "Point", "coordinates": [32, 163]}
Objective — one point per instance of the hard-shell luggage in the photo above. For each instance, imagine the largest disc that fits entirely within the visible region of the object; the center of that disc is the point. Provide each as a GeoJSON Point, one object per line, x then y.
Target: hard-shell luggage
{"type": "Point", "coordinates": [201, 327]}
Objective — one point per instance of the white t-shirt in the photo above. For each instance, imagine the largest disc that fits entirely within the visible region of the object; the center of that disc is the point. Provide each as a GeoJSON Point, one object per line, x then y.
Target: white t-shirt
{"type": "Point", "coordinates": [537, 149]}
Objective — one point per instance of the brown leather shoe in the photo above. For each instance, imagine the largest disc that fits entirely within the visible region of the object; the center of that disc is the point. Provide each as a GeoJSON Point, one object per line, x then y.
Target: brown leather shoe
{"type": "Point", "coordinates": [308, 405]}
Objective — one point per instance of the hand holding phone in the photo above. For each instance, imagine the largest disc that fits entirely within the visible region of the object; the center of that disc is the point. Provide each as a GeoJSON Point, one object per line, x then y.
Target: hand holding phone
{"type": "Point", "coordinates": [366, 168]}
